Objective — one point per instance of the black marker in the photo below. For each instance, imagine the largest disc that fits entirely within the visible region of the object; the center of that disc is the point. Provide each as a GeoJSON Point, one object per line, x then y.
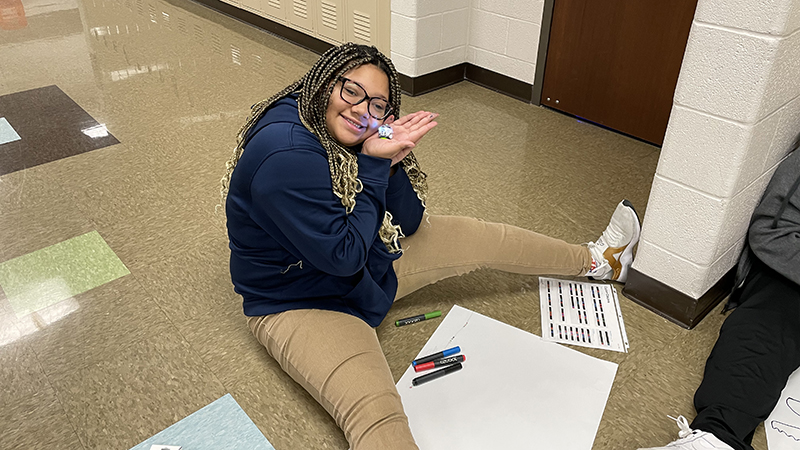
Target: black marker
{"type": "Point", "coordinates": [439, 363]}
{"type": "Point", "coordinates": [415, 319]}
{"type": "Point", "coordinates": [434, 375]}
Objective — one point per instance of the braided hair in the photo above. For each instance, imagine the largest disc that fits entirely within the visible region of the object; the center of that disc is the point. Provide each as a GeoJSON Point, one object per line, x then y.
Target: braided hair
{"type": "Point", "coordinates": [314, 90]}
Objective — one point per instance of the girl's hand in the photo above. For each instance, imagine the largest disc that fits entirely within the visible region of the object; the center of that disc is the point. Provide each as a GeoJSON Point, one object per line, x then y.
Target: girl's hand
{"type": "Point", "coordinates": [407, 131]}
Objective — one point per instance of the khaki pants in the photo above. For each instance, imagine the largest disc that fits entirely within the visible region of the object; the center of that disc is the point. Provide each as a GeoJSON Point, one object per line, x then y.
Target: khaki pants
{"type": "Point", "coordinates": [337, 358]}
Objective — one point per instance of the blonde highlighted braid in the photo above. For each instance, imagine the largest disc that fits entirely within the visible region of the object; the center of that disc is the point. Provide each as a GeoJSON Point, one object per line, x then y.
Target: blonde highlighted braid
{"type": "Point", "coordinates": [314, 91]}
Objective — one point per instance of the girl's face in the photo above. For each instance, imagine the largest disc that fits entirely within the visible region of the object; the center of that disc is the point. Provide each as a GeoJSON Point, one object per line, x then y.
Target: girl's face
{"type": "Point", "coordinates": [351, 124]}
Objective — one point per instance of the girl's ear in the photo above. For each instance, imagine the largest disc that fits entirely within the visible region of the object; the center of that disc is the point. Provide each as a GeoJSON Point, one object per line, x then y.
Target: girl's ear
{"type": "Point", "coordinates": [389, 120]}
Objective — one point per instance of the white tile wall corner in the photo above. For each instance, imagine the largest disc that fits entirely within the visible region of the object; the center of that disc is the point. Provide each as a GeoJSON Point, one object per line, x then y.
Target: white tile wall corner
{"type": "Point", "coordinates": [527, 10]}
{"type": "Point", "coordinates": [523, 40]}
{"type": "Point", "coordinates": [793, 23]}
{"type": "Point", "coordinates": [455, 29]}
{"type": "Point", "coordinates": [738, 212]}
{"type": "Point", "coordinates": [786, 135]}
{"type": "Point", "coordinates": [683, 221]}
{"type": "Point", "coordinates": [783, 83]}
{"type": "Point", "coordinates": [404, 36]}
{"type": "Point", "coordinates": [725, 72]}
{"type": "Point", "coordinates": [680, 274]}
{"type": "Point", "coordinates": [720, 267]}
{"type": "Point", "coordinates": [763, 16]}
{"type": "Point", "coordinates": [708, 153]}
{"type": "Point", "coordinates": [404, 64]}
{"type": "Point", "coordinates": [670, 269]}
{"type": "Point", "coordinates": [441, 60]}
{"type": "Point", "coordinates": [429, 35]}
{"type": "Point", "coordinates": [405, 7]}
{"type": "Point", "coordinates": [757, 151]}
{"type": "Point", "coordinates": [488, 32]}
{"type": "Point", "coordinates": [510, 67]}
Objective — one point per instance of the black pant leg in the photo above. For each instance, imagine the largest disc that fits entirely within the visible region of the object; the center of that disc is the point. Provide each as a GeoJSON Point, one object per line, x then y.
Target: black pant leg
{"type": "Point", "coordinates": [757, 350]}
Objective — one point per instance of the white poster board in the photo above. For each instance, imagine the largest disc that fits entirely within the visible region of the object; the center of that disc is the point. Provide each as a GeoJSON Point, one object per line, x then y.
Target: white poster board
{"type": "Point", "coordinates": [515, 391]}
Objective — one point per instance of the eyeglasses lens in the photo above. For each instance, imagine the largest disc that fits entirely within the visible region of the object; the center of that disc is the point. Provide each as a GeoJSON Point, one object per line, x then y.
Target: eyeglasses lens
{"type": "Point", "coordinates": [354, 94]}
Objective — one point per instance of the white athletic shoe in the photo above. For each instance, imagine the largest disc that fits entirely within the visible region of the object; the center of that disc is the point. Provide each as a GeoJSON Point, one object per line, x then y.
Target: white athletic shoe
{"type": "Point", "coordinates": [612, 253]}
{"type": "Point", "coordinates": [690, 439]}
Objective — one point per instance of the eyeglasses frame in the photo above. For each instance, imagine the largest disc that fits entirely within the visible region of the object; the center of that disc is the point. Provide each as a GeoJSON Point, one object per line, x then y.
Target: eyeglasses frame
{"type": "Point", "coordinates": [369, 99]}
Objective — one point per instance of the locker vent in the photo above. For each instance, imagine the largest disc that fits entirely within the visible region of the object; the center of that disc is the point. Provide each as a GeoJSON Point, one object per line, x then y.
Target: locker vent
{"type": "Point", "coordinates": [301, 9]}
{"type": "Point", "coordinates": [236, 55]}
{"type": "Point", "coordinates": [258, 63]}
{"type": "Point", "coordinates": [275, 4]}
{"type": "Point", "coordinates": [216, 43]}
{"type": "Point", "coordinates": [329, 15]}
{"type": "Point", "coordinates": [361, 26]}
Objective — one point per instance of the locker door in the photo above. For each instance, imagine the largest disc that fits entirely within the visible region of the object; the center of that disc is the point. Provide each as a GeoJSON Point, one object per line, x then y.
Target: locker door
{"type": "Point", "coordinates": [330, 20]}
{"type": "Point", "coordinates": [273, 9]}
{"type": "Point", "coordinates": [252, 5]}
{"type": "Point", "coordinates": [301, 14]}
{"type": "Point", "coordinates": [361, 16]}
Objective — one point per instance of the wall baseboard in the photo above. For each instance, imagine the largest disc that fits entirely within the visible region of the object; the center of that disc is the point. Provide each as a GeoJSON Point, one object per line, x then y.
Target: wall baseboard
{"type": "Point", "coordinates": [412, 86]}
{"type": "Point", "coordinates": [673, 304]}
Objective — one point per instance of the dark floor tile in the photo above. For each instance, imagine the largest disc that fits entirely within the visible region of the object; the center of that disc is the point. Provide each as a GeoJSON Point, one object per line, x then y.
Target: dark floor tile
{"type": "Point", "coordinates": [51, 127]}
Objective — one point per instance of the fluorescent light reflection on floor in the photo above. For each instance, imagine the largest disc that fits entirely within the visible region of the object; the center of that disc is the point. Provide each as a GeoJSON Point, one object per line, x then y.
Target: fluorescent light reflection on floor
{"type": "Point", "coordinates": [96, 131]}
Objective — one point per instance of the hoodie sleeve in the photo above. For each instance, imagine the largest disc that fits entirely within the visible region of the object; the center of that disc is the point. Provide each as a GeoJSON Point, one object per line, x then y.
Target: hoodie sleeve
{"type": "Point", "coordinates": [293, 199]}
{"type": "Point", "coordinates": [403, 203]}
{"type": "Point", "coordinates": [774, 234]}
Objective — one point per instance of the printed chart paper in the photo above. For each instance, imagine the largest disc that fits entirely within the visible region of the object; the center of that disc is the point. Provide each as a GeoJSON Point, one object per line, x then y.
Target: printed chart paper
{"type": "Point", "coordinates": [584, 314]}
{"type": "Point", "coordinates": [515, 390]}
{"type": "Point", "coordinates": [783, 425]}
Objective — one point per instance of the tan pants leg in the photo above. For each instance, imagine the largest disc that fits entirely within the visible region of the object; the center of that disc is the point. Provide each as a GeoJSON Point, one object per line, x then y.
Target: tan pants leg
{"type": "Point", "coordinates": [446, 246]}
{"type": "Point", "coordinates": [337, 358]}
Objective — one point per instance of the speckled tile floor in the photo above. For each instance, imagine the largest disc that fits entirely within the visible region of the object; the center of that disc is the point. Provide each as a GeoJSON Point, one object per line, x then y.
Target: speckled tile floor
{"type": "Point", "coordinates": [110, 366]}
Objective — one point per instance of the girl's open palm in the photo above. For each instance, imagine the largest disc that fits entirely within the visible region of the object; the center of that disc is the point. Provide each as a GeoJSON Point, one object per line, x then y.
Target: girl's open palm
{"type": "Point", "coordinates": [407, 131]}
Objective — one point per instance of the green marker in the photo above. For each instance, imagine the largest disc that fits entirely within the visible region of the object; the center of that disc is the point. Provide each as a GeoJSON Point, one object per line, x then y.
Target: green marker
{"type": "Point", "coordinates": [415, 319]}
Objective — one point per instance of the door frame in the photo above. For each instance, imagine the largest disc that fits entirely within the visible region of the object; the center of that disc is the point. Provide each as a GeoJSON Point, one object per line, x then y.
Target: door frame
{"type": "Point", "coordinates": [541, 57]}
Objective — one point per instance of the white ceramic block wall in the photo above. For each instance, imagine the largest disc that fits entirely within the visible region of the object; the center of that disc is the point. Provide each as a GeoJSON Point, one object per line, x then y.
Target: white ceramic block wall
{"type": "Point", "coordinates": [499, 35]}
{"type": "Point", "coordinates": [504, 36]}
{"type": "Point", "coordinates": [736, 113]}
{"type": "Point", "coordinates": [429, 35]}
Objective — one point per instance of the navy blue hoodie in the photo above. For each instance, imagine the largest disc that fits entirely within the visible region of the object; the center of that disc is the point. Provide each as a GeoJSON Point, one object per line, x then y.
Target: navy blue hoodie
{"type": "Point", "coordinates": [292, 244]}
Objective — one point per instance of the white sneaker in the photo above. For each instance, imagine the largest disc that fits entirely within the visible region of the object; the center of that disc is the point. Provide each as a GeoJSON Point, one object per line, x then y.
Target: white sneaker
{"type": "Point", "coordinates": [690, 439]}
{"type": "Point", "coordinates": [612, 253]}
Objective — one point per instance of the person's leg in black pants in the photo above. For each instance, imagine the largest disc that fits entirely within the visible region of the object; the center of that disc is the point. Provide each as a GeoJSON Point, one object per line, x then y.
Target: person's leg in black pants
{"type": "Point", "coordinates": [758, 348]}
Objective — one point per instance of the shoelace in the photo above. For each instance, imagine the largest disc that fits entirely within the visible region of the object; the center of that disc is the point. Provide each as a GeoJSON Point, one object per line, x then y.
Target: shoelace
{"type": "Point", "coordinates": [683, 424]}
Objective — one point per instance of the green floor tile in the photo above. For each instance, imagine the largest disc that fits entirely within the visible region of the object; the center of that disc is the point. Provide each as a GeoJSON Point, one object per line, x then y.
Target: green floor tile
{"type": "Point", "coordinates": [47, 276]}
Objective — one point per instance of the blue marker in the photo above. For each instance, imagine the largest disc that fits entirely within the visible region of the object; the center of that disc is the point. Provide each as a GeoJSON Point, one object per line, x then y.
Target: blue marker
{"type": "Point", "coordinates": [443, 354]}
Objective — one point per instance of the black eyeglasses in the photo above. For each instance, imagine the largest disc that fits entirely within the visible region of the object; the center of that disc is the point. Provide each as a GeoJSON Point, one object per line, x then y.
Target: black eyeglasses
{"type": "Point", "coordinates": [353, 93]}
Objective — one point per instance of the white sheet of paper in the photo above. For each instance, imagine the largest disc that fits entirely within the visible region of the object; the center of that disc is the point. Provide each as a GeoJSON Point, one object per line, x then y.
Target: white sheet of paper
{"type": "Point", "coordinates": [783, 425]}
{"type": "Point", "coordinates": [515, 391]}
{"type": "Point", "coordinates": [583, 314]}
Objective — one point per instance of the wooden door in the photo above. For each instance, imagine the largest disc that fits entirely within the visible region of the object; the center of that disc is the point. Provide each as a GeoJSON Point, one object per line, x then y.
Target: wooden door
{"type": "Point", "coordinates": [616, 62]}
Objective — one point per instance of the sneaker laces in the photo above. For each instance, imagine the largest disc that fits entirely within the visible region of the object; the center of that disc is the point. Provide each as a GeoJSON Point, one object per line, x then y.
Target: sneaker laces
{"type": "Point", "coordinates": [683, 424]}
{"type": "Point", "coordinates": [596, 249]}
